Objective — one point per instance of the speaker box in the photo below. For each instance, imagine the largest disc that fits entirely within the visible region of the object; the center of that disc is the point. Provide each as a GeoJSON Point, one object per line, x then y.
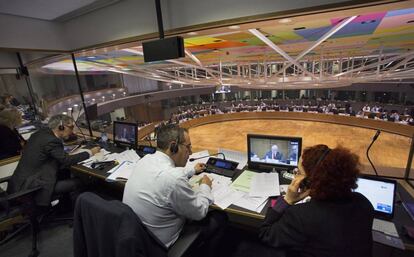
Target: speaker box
{"type": "Point", "coordinates": [163, 49]}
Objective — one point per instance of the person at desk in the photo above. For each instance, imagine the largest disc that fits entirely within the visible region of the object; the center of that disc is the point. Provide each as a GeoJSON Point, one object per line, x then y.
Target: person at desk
{"type": "Point", "coordinates": [160, 194]}
{"type": "Point", "coordinates": [274, 154]}
{"type": "Point", "coordinates": [11, 142]}
{"type": "Point", "coordinates": [44, 162]}
{"type": "Point", "coordinates": [335, 222]}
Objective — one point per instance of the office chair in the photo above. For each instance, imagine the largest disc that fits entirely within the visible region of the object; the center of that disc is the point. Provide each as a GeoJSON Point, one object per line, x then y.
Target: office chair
{"type": "Point", "coordinates": [19, 208]}
{"type": "Point", "coordinates": [113, 228]}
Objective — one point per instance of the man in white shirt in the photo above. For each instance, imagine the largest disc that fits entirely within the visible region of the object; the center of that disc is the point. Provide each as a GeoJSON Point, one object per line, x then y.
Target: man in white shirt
{"type": "Point", "coordinates": [159, 192]}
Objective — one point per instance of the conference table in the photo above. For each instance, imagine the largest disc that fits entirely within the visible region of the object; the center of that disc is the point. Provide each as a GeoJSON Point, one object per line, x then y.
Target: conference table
{"type": "Point", "coordinates": [249, 219]}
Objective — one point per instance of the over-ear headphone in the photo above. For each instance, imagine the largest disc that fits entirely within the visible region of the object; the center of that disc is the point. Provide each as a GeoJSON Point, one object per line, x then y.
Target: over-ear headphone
{"type": "Point", "coordinates": [61, 126]}
{"type": "Point", "coordinates": [174, 146]}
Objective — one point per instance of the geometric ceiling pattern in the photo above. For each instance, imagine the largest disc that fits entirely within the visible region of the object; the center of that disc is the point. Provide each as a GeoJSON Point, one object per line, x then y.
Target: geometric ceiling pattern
{"type": "Point", "coordinates": [311, 51]}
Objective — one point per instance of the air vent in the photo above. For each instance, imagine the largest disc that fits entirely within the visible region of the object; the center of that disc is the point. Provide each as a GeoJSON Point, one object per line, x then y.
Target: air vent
{"type": "Point", "coordinates": [299, 28]}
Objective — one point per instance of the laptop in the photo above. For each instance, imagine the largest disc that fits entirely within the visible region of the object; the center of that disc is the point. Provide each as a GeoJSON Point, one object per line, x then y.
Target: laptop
{"type": "Point", "coordinates": [381, 193]}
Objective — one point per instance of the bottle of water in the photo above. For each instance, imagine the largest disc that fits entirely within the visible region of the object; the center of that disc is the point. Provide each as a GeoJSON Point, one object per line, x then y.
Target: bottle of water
{"type": "Point", "coordinates": [104, 138]}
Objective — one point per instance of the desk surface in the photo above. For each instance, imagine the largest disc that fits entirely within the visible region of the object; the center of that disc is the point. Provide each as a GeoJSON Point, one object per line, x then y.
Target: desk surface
{"type": "Point", "coordinates": [405, 193]}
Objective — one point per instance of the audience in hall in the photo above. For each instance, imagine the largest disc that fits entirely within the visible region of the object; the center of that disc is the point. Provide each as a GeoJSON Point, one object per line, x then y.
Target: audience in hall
{"type": "Point", "coordinates": [11, 142]}
{"type": "Point", "coordinates": [335, 222]}
{"type": "Point", "coordinates": [44, 162]}
{"type": "Point", "coordinates": [164, 200]}
{"type": "Point", "coordinates": [341, 108]}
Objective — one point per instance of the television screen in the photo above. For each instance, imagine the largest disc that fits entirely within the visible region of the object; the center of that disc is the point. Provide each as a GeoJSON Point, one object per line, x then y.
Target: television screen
{"type": "Point", "coordinates": [267, 152]}
{"type": "Point", "coordinates": [126, 133]}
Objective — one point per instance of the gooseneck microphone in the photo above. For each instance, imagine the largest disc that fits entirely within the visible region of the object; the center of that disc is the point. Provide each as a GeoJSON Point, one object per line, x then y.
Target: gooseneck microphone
{"type": "Point", "coordinates": [193, 159]}
{"type": "Point", "coordinates": [369, 147]}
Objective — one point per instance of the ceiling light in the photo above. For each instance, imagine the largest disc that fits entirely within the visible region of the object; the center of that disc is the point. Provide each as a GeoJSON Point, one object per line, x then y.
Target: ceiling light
{"type": "Point", "coordinates": [234, 27]}
{"type": "Point", "coordinates": [285, 20]}
{"type": "Point", "coordinates": [192, 33]}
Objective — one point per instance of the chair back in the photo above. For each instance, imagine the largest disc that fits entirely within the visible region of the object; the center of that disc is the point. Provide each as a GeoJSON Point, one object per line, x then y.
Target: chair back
{"type": "Point", "coordinates": [111, 228]}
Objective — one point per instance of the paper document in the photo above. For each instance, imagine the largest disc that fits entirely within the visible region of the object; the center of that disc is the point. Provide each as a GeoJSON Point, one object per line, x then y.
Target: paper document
{"type": "Point", "coordinates": [251, 203]}
{"type": "Point", "coordinates": [223, 195]}
{"type": "Point", "coordinates": [243, 182]}
{"type": "Point", "coordinates": [265, 184]}
{"type": "Point", "coordinates": [122, 171]}
{"type": "Point", "coordinates": [386, 227]}
{"type": "Point", "coordinates": [197, 155]}
{"type": "Point", "coordinates": [236, 156]}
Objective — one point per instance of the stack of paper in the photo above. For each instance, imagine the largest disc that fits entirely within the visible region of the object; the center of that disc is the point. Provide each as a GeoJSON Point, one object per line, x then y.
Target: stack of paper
{"type": "Point", "coordinates": [122, 171]}
{"type": "Point", "coordinates": [265, 185]}
{"type": "Point", "coordinates": [243, 182]}
{"type": "Point", "coordinates": [197, 155]}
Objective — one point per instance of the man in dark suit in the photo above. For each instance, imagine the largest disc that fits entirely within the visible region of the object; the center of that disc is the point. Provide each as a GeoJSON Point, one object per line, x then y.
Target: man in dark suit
{"type": "Point", "coordinates": [274, 154]}
{"type": "Point", "coordinates": [43, 161]}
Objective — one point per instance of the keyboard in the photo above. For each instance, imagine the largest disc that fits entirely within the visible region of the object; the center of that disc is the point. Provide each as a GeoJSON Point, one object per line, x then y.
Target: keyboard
{"type": "Point", "coordinates": [385, 227]}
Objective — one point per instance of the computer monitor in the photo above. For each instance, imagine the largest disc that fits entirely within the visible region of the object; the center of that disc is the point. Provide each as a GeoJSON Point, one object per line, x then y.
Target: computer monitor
{"type": "Point", "coordinates": [380, 192]}
{"type": "Point", "coordinates": [266, 152]}
{"type": "Point", "coordinates": [126, 134]}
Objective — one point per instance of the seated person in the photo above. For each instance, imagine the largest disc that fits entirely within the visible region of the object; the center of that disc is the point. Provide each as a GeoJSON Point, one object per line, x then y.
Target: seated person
{"type": "Point", "coordinates": [11, 142]}
{"type": "Point", "coordinates": [274, 154]}
{"type": "Point", "coordinates": [44, 161]}
{"type": "Point", "coordinates": [335, 222]}
{"type": "Point", "coordinates": [162, 197]}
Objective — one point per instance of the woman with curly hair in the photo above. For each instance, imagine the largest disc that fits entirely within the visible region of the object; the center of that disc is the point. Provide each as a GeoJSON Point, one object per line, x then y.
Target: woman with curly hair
{"type": "Point", "coordinates": [335, 222]}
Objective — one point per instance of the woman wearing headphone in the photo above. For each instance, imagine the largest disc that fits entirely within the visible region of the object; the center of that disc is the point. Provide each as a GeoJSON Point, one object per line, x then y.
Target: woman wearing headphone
{"type": "Point", "coordinates": [335, 222]}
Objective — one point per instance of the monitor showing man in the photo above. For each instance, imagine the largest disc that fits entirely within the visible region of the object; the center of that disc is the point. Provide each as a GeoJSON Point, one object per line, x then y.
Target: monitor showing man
{"type": "Point", "coordinates": [273, 151]}
{"type": "Point", "coordinates": [125, 133]}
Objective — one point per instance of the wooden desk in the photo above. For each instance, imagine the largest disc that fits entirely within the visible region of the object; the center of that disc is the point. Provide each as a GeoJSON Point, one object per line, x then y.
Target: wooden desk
{"type": "Point", "coordinates": [102, 175]}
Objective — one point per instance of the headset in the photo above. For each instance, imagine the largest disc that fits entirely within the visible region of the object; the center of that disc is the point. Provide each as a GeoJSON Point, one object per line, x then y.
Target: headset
{"type": "Point", "coordinates": [305, 183]}
{"type": "Point", "coordinates": [174, 146]}
{"type": "Point", "coordinates": [61, 126]}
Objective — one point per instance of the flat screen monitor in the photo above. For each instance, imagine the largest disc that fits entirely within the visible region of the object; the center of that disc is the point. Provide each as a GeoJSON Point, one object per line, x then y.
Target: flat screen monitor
{"type": "Point", "coordinates": [380, 192]}
{"type": "Point", "coordinates": [126, 134]}
{"type": "Point", "coordinates": [267, 152]}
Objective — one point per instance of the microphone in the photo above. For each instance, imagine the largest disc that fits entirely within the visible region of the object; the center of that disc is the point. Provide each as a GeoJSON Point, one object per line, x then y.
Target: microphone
{"type": "Point", "coordinates": [369, 147]}
{"type": "Point", "coordinates": [193, 159]}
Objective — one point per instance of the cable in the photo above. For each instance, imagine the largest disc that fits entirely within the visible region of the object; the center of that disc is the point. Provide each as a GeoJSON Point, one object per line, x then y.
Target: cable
{"type": "Point", "coordinates": [76, 123]}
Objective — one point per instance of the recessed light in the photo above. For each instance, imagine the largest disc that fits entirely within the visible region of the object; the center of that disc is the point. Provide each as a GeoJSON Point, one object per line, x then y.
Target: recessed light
{"type": "Point", "coordinates": [192, 33]}
{"type": "Point", "coordinates": [285, 20]}
{"type": "Point", "coordinates": [234, 27]}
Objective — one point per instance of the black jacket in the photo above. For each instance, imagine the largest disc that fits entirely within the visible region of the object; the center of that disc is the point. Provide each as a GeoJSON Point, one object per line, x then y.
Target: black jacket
{"type": "Point", "coordinates": [42, 157]}
{"type": "Point", "coordinates": [9, 142]}
{"type": "Point", "coordinates": [111, 229]}
{"type": "Point", "coordinates": [322, 228]}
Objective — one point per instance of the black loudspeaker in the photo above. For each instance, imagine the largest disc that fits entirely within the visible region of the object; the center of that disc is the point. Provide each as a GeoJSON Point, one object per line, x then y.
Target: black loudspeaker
{"type": "Point", "coordinates": [163, 49]}
{"type": "Point", "coordinates": [61, 127]}
{"type": "Point", "coordinates": [174, 147]}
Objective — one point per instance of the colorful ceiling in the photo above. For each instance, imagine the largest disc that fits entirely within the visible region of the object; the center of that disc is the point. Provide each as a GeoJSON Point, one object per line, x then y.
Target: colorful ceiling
{"type": "Point", "coordinates": [376, 32]}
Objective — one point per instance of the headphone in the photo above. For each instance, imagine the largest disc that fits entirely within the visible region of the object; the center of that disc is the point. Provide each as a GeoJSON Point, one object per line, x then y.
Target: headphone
{"type": "Point", "coordinates": [61, 126]}
{"type": "Point", "coordinates": [174, 146]}
{"type": "Point", "coordinates": [322, 157]}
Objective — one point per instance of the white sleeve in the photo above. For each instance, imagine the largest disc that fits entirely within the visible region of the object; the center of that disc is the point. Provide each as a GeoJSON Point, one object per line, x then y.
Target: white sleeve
{"type": "Point", "coordinates": [188, 203]}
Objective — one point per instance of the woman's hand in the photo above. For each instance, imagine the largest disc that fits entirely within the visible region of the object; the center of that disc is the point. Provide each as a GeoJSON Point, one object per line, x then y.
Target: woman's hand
{"type": "Point", "coordinates": [293, 194]}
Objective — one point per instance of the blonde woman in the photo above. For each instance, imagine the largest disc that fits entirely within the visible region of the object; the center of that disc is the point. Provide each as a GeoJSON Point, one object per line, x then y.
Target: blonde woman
{"type": "Point", "coordinates": [10, 141]}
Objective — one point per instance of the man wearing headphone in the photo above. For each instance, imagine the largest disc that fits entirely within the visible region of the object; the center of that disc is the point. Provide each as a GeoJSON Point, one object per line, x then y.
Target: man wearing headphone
{"type": "Point", "coordinates": [159, 192]}
{"type": "Point", "coordinates": [44, 162]}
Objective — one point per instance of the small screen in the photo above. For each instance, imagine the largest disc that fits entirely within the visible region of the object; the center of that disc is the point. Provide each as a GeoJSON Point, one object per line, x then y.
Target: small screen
{"type": "Point", "coordinates": [125, 133]}
{"type": "Point", "coordinates": [379, 193]}
{"type": "Point", "coordinates": [148, 149]}
{"type": "Point", "coordinates": [277, 151]}
{"type": "Point", "coordinates": [222, 164]}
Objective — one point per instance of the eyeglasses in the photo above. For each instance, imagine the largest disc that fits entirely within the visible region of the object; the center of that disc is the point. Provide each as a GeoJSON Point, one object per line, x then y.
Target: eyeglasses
{"type": "Point", "coordinates": [70, 126]}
